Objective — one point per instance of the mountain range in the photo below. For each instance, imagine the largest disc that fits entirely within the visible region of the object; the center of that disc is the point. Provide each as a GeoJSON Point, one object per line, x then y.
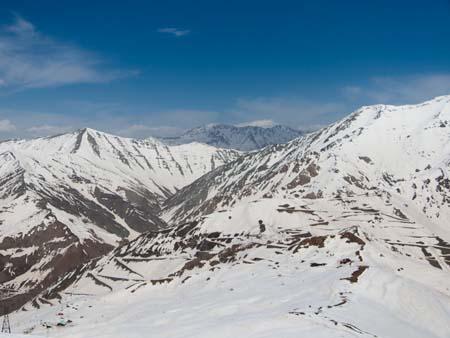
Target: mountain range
{"type": "Point", "coordinates": [342, 232]}
{"type": "Point", "coordinates": [244, 138]}
{"type": "Point", "coordinates": [70, 198]}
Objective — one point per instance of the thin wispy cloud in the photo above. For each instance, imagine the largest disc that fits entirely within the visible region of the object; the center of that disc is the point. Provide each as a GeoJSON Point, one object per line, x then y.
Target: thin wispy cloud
{"type": "Point", "coordinates": [7, 126]}
{"type": "Point", "coordinates": [264, 111]}
{"type": "Point", "coordinates": [174, 31]}
{"type": "Point", "coordinates": [45, 130]}
{"type": "Point", "coordinates": [288, 110]}
{"type": "Point", "coordinates": [400, 90]}
{"type": "Point", "coordinates": [144, 131]}
{"type": "Point", "coordinates": [257, 123]}
{"type": "Point", "coordinates": [69, 115]}
{"type": "Point", "coordinates": [30, 59]}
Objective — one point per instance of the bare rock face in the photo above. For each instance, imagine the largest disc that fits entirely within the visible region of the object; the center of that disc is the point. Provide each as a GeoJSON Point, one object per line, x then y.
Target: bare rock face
{"type": "Point", "coordinates": [50, 250]}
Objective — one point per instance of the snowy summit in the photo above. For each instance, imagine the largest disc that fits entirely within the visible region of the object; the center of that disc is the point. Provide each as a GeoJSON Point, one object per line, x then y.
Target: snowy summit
{"type": "Point", "coordinates": [327, 235]}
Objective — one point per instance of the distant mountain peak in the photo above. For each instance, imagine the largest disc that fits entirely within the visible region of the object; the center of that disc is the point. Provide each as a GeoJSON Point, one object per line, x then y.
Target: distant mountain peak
{"type": "Point", "coordinates": [244, 138]}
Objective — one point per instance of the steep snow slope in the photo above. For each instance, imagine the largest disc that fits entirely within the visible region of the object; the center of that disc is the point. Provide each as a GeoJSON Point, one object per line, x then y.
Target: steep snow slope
{"type": "Point", "coordinates": [232, 137]}
{"type": "Point", "coordinates": [401, 152]}
{"type": "Point", "coordinates": [71, 197]}
{"type": "Point", "coordinates": [342, 233]}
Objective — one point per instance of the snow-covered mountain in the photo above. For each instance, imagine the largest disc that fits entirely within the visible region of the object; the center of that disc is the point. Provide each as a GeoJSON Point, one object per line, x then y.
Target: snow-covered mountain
{"type": "Point", "coordinates": [402, 151]}
{"type": "Point", "coordinates": [340, 233]}
{"type": "Point", "coordinates": [69, 198]}
{"type": "Point", "coordinates": [232, 137]}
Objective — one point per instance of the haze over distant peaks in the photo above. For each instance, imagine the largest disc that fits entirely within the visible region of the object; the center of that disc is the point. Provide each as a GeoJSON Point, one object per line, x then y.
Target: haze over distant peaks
{"type": "Point", "coordinates": [244, 138]}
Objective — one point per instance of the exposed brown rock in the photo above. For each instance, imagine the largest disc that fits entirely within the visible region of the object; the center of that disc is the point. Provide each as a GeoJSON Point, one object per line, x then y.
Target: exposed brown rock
{"type": "Point", "coordinates": [356, 274]}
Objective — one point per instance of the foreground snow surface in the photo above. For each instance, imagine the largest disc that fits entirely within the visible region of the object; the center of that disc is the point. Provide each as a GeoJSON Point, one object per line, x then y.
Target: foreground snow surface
{"type": "Point", "coordinates": [252, 303]}
{"type": "Point", "coordinates": [262, 294]}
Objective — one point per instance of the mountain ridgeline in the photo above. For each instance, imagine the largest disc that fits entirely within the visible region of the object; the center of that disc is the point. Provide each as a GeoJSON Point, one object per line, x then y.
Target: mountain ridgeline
{"type": "Point", "coordinates": [340, 232]}
{"type": "Point", "coordinates": [246, 138]}
{"type": "Point", "coordinates": [70, 198]}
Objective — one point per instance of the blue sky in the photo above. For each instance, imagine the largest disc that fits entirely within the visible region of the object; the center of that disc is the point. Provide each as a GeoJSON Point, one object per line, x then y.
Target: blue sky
{"type": "Point", "coordinates": [140, 68]}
